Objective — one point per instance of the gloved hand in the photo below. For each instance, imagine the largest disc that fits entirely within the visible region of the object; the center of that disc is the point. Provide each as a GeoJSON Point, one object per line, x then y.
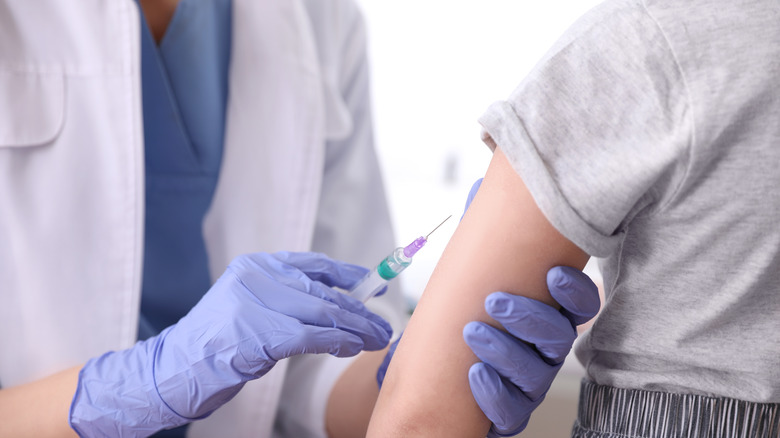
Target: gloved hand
{"type": "Point", "coordinates": [518, 367]}
{"type": "Point", "coordinates": [496, 381]}
{"type": "Point", "coordinates": [264, 308]}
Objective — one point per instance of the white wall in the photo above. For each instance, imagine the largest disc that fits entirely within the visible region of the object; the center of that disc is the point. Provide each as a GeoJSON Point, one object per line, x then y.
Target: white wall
{"type": "Point", "coordinates": [436, 66]}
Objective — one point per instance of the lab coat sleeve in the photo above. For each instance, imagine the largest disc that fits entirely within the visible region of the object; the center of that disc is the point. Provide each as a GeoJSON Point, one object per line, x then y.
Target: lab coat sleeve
{"type": "Point", "coordinates": [353, 222]}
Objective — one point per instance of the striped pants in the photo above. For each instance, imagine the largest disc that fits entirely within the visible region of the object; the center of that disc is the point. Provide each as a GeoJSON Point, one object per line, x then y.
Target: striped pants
{"type": "Point", "coordinates": [607, 412]}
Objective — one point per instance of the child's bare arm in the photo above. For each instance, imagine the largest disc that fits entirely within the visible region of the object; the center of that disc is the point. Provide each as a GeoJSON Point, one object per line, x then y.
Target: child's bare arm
{"type": "Point", "coordinates": [504, 243]}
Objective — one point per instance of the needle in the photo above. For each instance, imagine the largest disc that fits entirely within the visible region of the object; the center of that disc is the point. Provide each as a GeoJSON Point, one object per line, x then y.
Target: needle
{"type": "Point", "coordinates": [437, 226]}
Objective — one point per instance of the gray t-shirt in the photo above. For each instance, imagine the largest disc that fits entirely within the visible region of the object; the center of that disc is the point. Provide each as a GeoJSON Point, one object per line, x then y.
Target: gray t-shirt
{"type": "Point", "coordinates": [649, 135]}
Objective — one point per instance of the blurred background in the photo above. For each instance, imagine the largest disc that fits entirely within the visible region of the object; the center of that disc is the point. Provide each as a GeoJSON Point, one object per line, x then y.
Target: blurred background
{"type": "Point", "coordinates": [436, 67]}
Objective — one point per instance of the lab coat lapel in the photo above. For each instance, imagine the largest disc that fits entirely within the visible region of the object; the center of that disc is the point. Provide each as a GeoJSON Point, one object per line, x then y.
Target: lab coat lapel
{"type": "Point", "coordinates": [272, 165]}
{"type": "Point", "coordinates": [271, 175]}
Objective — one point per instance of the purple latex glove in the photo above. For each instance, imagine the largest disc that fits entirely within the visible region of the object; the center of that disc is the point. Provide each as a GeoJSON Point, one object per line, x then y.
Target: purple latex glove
{"type": "Point", "coordinates": [264, 308]}
{"type": "Point", "coordinates": [518, 367]}
{"type": "Point", "coordinates": [551, 332]}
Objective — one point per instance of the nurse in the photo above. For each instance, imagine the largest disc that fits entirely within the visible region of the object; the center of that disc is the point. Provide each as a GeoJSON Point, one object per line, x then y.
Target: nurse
{"type": "Point", "coordinates": [142, 152]}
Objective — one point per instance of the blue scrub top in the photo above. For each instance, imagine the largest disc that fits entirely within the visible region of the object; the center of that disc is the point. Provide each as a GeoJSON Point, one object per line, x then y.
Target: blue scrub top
{"type": "Point", "coordinates": [184, 91]}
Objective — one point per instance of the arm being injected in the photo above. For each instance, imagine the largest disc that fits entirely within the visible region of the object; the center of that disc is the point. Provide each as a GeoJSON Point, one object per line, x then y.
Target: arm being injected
{"type": "Point", "coordinates": [389, 268]}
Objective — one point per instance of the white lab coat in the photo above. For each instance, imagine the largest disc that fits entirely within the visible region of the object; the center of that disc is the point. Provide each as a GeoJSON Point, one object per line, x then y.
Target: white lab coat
{"type": "Point", "coordinates": [299, 173]}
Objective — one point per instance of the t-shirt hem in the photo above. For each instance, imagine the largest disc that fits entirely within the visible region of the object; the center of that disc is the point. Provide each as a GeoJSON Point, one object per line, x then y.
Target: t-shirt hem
{"type": "Point", "coordinates": [502, 126]}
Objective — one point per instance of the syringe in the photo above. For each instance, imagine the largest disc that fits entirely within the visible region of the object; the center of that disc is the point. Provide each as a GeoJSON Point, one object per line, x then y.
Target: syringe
{"type": "Point", "coordinates": [389, 268]}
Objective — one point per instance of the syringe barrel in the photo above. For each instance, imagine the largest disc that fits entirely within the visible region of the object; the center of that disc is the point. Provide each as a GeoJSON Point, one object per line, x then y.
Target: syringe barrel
{"type": "Point", "coordinates": [369, 286]}
{"type": "Point", "coordinates": [381, 275]}
{"type": "Point", "coordinates": [394, 264]}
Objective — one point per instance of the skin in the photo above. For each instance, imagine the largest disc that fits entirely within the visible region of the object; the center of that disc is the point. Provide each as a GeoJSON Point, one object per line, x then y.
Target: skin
{"type": "Point", "coordinates": [426, 390]}
{"type": "Point", "coordinates": [40, 408]}
{"type": "Point", "coordinates": [158, 15]}
{"type": "Point", "coordinates": [353, 397]}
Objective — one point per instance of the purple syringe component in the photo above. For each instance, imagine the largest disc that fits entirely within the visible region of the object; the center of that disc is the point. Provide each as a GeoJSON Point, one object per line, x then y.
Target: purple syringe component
{"type": "Point", "coordinates": [412, 248]}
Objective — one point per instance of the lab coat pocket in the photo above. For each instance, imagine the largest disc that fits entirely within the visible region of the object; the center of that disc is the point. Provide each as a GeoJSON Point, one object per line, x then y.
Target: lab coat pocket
{"type": "Point", "coordinates": [32, 107]}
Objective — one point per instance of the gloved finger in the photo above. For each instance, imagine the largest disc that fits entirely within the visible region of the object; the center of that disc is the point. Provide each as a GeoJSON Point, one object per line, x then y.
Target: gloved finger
{"type": "Point", "coordinates": [382, 371]}
{"type": "Point", "coordinates": [504, 405]}
{"type": "Point", "coordinates": [278, 286]}
{"type": "Point", "coordinates": [533, 322]}
{"type": "Point", "coordinates": [381, 292]}
{"type": "Point", "coordinates": [472, 194]}
{"type": "Point", "coordinates": [311, 340]}
{"type": "Point", "coordinates": [575, 292]}
{"type": "Point", "coordinates": [514, 360]}
{"type": "Point", "coordinates": [350, 304]}
{"type": "Point", "coordinates": [319, 267]}
{"type": "Point", "coordinates": [261, 267]}
{"type": "Point", "coordinates": [285, 268]}
{"type": "Point", "coordinates": [340, 312]}
{"type": "Point", "coordinates": [310, 269]}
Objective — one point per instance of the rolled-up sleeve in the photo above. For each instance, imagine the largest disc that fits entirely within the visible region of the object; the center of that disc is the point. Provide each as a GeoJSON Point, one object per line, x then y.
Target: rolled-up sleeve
{"type": "Point", "coordinates": [600, 129]}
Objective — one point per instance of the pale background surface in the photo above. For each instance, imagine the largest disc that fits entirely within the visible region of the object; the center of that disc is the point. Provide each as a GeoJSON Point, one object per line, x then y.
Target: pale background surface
{"type": "Point", "coordinates": [436, 66]}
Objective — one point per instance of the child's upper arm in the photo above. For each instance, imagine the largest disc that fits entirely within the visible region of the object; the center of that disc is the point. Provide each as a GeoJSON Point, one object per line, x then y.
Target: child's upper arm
{"type": "Point", "coordinates": [503, 243]}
